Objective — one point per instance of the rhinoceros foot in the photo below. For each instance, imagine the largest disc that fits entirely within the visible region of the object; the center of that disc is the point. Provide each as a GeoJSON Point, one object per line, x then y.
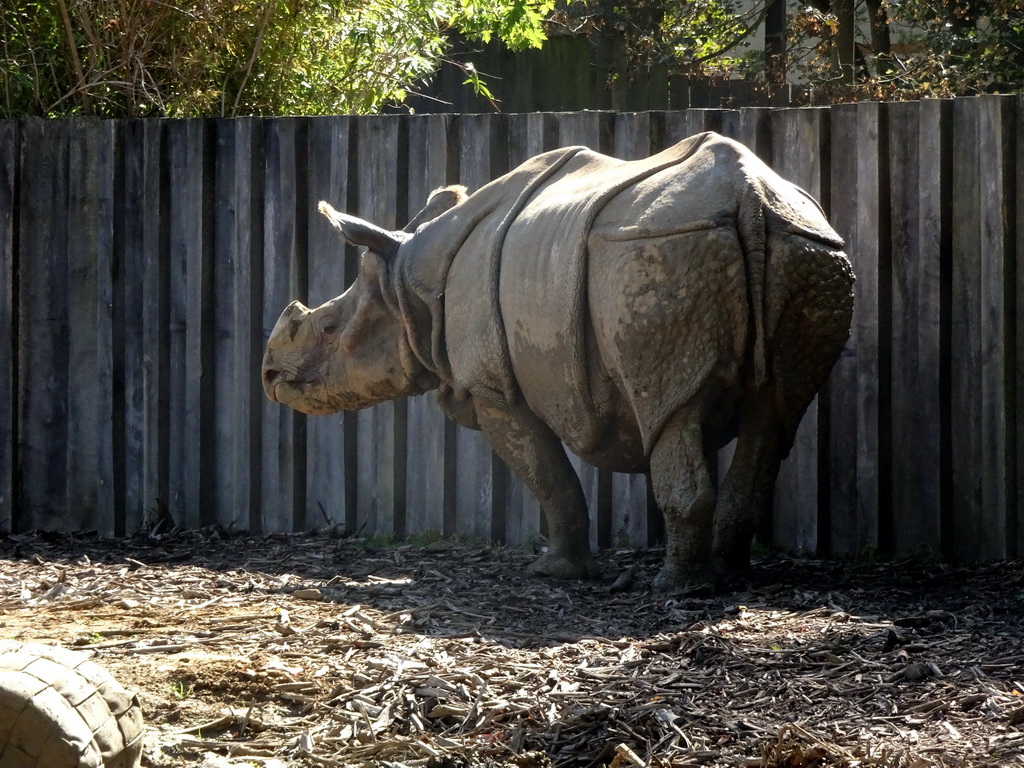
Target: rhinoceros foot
{"type": "Point", "coordinates": [673, 581]}
{"type": "Point", "coordinates": [561, 566]}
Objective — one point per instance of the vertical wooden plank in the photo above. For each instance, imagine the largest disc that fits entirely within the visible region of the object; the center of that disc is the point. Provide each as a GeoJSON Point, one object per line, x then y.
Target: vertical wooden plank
{"type": "Point", "coordinates": [541, 133]}
{"type": "Point", "coordinates": [43, 319]}
{"type": "Point", "coordinates": [800, 155]}
{"type": "Point", "coordinates": [635, 135]}
{"type": "Point", "coordinates": [482, 479]}
{"type": "Point", "coordinates": [89, 488]}
{"type": "Point", "coordinates": [328, 476]}
{"type": "Point", "coordinates": [589, 129]}
{"type": "Point", "coordinates": [872, 327]}
{"type": "Point", "coordinates": [430, 490]}
{"type": "Point", "coordinates": [283, 456]}
{"type": "Point", "coordinates": [1017, 524]}
{"type": "Point", "coordinates": [191, 446]}
{"type": "Point", "coordinates": [919, 186]}
{"type": "Point", "coordinates": [860, 490]}
{"type": "Point", "coordinates": [965, 337]}
{"type": "Point", "coordinates": [132, 245]}
{"type": "Point", "coordinates": [982, 309]}
{"type": "Point", "coordinates": [731, 124]}
{"type": "Point", "coordinates": [228, 265]}
{"type": "Point", "coordinates": [145, 301]}
{"type": "Point", "coordinates": [156, 323]}
{"type": "Point", "coordinates": [680, 125]}
{"type": "Point", "coordinates": [10, 150]}
{"type": "Point", "coordinates": [842, 388]}
{"type": "Point", "coordinates": [382, 429]}
{"type": "Point", "coordinates": [236, 323]}
{"type": "Point", "coordinates": [755, 131]}
{"type": "Point", "coordinates": [250, 149]}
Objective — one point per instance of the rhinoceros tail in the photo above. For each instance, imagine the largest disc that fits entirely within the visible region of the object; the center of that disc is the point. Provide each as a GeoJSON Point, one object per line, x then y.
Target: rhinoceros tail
{"type": "Point", "coordinates": [753, 237]}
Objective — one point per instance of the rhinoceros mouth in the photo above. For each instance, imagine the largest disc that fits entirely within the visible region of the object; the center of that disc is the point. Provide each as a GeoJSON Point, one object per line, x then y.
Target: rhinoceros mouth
{"type": "Point", "coordinates": [296, 394]}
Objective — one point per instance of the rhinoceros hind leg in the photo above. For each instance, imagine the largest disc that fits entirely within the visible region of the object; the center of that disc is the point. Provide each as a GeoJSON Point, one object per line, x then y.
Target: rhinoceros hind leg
{"type": "Point", "coordinates": [536, 455]}
{"type": "Point", "coordinates": [562, 566]}
{"type": "Point", "coordinates": [683, 490]}
{"type": "Point", "coordinates": [746, 491]}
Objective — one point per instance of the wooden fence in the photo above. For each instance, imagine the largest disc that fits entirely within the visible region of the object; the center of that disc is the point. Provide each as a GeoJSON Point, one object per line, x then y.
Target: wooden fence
{"type": "Point", "coordinates": [574, 72]}
{"type": "Point", "coordinates": [143, 264]}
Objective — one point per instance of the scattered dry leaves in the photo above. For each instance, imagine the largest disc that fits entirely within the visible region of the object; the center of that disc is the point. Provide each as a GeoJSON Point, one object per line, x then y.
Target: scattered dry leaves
{"type": "Point", "coordinates": [320, 650]}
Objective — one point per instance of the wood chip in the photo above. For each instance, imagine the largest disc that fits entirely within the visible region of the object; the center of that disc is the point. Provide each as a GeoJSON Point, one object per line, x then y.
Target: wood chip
{"type": "Point", "coordinates": [349, 655]}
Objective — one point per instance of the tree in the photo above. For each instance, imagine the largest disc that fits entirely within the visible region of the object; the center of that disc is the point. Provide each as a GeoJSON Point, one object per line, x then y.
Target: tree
{"type": "Point", "coordinates": [121, 58]}
{"type": "Point", "coordinates": [916, 48]}
{"type": "Point", "coordinates": [847, 49]}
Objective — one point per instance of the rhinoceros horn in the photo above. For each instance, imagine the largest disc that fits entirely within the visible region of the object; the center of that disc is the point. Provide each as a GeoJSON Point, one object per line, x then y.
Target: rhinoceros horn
{"type": "Point", "coordinates": [381, 241]}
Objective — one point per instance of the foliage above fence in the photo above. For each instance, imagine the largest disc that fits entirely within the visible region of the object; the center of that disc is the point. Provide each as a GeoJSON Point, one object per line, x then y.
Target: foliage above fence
{"type": "Point", "coordinates": [143, 264]}
{"type": "Point", "coordinates": [114, 58]}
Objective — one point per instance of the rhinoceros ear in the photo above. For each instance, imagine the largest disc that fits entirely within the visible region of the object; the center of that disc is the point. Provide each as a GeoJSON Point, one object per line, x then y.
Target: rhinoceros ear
{"type": "Point", "coordinates": [359, 232]}
{"type": "Point", "coordinates": [440, 200]}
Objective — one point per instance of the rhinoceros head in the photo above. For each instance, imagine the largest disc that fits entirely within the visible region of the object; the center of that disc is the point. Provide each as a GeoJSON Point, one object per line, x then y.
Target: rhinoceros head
{"type": "Point", "coordinates": [352, 351]}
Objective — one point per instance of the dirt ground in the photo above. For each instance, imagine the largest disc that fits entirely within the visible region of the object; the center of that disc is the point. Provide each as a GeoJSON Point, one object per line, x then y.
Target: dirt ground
{"type": "Point", "coordinates": [321, 650]}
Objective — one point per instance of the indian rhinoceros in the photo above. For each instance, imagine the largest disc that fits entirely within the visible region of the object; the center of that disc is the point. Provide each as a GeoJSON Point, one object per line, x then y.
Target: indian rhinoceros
{"type": "Point", "coordinates": [639, 312]}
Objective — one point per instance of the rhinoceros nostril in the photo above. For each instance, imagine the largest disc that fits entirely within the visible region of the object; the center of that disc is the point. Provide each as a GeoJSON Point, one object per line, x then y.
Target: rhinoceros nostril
{"type": "Point", "coordinates": [270, 375]}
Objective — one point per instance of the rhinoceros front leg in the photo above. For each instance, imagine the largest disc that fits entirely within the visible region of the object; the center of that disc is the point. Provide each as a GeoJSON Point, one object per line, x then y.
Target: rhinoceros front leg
{"type": "Point", "coordinates": [683, 490]}
{"type": "Point", "coordinates": [537, 456]}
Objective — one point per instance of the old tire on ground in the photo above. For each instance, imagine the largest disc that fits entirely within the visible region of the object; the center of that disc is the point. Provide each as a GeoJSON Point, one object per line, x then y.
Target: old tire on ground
{"type": "Point", "coordinates": [60, 710]}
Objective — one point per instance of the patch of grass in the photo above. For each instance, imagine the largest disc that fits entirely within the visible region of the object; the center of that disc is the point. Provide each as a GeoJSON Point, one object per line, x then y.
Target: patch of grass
{"type": "Point", "coordinates": [181, 689]}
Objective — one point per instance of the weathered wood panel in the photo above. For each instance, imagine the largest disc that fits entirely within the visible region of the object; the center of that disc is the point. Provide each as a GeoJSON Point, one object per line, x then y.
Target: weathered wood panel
{"type": "Point", "coordinates": [236, 321]}
{"type": "Point", "coordinates": [982, 310]}
{"type": "Point", "coordinates": [189, 256]}
{"type": "Point", "coordinates": [156, 336]}
{"type": "Point", "coordinates": [10, 155]}
{"type": "Point", "coordinates": [90, 396]}
{"type": "Point", "coordinates": [920, 191]}
{"type": "Point", "coordinates": [1015, 533]}
{"type": "Point", "coordinates": [143, 461]}
{"type": "Point", "coordinates": [1016, 527]}
{"type": "Point", "coordinates": [589, 129]}
{"type": "Point", "coordinates": [133, 248]}
{"type": "Point", "coordinates": [842, 453]}
{"type": "Point", "coordinates": [679, 125]}
{"type": "Point", "coordinates": [43, 326]}
{"type": "Point", "coordinates": [872, 324]}
{"type": "Point", "coordinates": [755, 131]}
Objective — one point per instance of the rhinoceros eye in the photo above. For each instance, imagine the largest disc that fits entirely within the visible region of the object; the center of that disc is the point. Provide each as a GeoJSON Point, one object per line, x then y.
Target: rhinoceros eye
{"type": "Point", "coordinates": [330, 327]}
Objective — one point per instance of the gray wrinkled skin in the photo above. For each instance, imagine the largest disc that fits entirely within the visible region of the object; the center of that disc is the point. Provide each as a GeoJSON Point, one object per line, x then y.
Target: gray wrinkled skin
{"type": "Point", "coordinates": [640, 312]}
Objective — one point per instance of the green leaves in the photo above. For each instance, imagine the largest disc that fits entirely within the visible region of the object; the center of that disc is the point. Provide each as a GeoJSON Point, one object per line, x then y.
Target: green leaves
{"type": "Point", "coordinates": [518, 23]}
{"type": "Point", "coordinates": [124, 58]}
